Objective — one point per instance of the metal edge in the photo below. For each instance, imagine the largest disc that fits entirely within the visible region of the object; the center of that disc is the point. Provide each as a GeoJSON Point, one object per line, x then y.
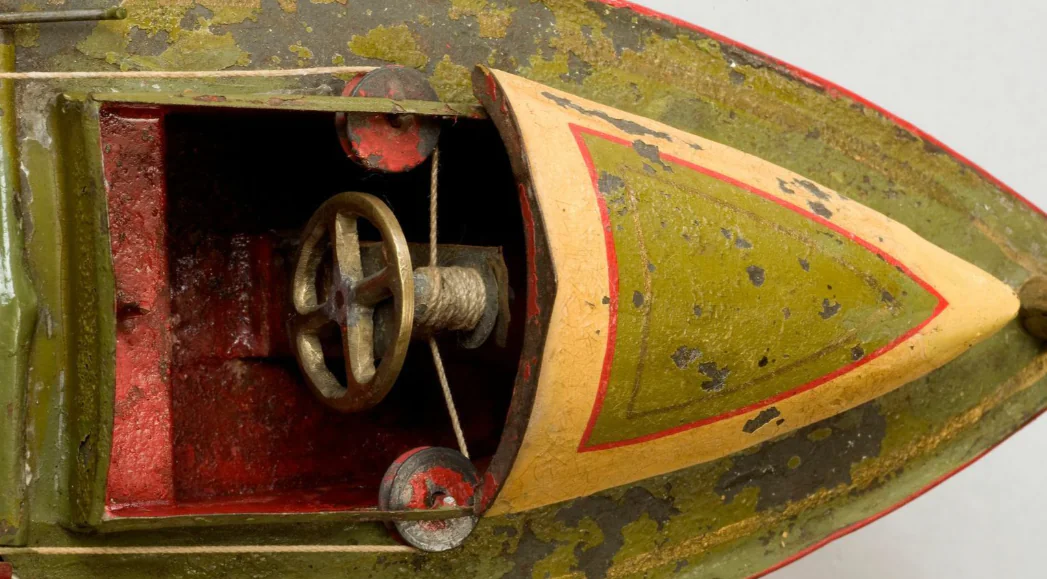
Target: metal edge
{"type": "Point", "coordinates": [18, 308]}
{"type": "Point", "coordinates": [92, 344]}
{"type": "Point", "coordinates": [541, 290]}
{"type": "Point", "coordinates": [287, 102]}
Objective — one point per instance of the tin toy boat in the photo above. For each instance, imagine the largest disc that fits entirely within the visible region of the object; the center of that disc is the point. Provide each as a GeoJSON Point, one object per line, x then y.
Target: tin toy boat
{"type": "Point", "coordinates": [500, 288]}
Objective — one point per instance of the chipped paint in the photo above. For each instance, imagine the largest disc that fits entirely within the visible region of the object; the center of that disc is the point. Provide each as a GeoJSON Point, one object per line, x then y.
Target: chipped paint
{"type": "Point", "coordinates": [224, 12]}
{"type": "Point", "coordinates": [195, 49]}
{"type": "Point", "coordinates": [677, 214]}
{"type": "Point", "coordinates": [185, 48]}
{"type": "Point", "coordinates": [683, 78]}
{"type": "Point", "coordinates": [493, 22]}
{"type": "Point", "coordinates": [451, 81]}
{"type": "Point", "coordinates": [303, 53]}
{"type": "Point", "coordinates": [395, 44]}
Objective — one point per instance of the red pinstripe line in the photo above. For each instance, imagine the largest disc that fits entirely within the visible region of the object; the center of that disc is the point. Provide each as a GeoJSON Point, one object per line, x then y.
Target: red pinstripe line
{"type": "Point", "coordinates": [612, 272]}
{"type": "Point", "coordinates": [830, 87]}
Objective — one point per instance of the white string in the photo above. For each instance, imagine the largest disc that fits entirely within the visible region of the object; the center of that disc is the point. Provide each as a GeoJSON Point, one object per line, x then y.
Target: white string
{"type": "Point", "coordinates": [207, 550]}
{"type": "Point", "coordinates": [437, 360]}
{"type": "Point", "coordinates": [447, 397]}
{"type": "Point", "coordinates": [58, 75]}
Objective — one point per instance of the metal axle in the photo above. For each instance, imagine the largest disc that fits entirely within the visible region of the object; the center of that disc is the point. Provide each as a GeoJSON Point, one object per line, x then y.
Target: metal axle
{"type": "Point", "coordinates": [10, 18]}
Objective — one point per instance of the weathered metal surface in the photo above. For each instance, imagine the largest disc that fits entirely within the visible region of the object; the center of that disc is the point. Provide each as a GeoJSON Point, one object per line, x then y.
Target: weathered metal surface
{"type": "Point", "coordinates": [141, 464]}
{"type": "Point", "coordinates": [428, 478]}
{"type": "Point", "coordinates": [17, 318]}
{"type": "Point", "coordinates": [350, 301]}
{"type": "Point", "coordinates": [1034, 307]}
{"type": "Point", "coordinates": [294, 102]}
{"type": "Point", "coordinates": [245, 439]}
{"type": "Point", "coordinates": [683, 524]}
{"type": "Point", "coordinates": [392, 143]}
{"type": "Point", "coordinates": [622, 196]}
{"type": "Point", "coordinates": [781, 324]}
{"type": "Point", "coordinates": [39, 17]}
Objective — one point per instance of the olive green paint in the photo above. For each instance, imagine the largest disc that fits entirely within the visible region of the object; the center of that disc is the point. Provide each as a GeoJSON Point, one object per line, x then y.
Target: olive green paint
{"type": "Point", "coordinates": [17, 317]}
{"type": "Point", "coordinates": [271, 102]}
{"type": "Point", "coordinates": [492, 22]}
{"type": "Point", "coordinates": [611, 55]}
{"type": "Point", "coordinates": [392, 44]}
{"type": "Point", "coordinates": [451, 81]}
{"type": "Point", "coordinates": [727, 299]}
{"type": "Point", "coordinates": [87, 416]}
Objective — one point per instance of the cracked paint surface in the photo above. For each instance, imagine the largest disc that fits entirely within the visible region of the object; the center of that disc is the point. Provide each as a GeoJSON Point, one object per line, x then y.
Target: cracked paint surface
{"type": "Point", "coordinates": [686, 78]}
{"type": "Point", "coordinates": [691, 224]}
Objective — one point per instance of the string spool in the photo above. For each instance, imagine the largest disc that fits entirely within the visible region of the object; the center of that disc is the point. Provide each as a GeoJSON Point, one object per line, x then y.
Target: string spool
{"type": "Point", "coordinates": [448, 298]}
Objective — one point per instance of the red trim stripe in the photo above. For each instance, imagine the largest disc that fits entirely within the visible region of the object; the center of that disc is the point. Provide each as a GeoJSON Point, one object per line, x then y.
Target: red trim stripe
{"type": "Point", "coordinates": [843, 532]}
{"type": "Point", "coordinates": [612, 272]}
{"type": "Point", "coordinates": [835, 89]}
{"type": "Point", "coordinates": [830, 87]}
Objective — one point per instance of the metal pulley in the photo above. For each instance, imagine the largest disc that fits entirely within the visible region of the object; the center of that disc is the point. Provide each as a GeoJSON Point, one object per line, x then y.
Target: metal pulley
{"type": "Point", "coordinates": [390, 143]}
{"type": "Point", "coordinates": [430, 478]}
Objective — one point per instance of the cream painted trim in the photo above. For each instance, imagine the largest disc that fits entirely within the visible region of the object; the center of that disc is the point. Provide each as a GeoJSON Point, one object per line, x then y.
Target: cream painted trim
{"type": "Point", "coordinates": [549, 468]}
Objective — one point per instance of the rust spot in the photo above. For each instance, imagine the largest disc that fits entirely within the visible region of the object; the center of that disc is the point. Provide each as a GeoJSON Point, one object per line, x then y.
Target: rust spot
{"type": "Point", "coordinates": [609, 184]}
{"type": "Point", "coordinates": [829, 309]}
{"type": "Point", "coordinates": [820, 209]}
{"type": "Point", "coordinates": [651, 153]}
{"type": "Point", "coordinates": [717, 376]}
{"type": "Point", "coordinates": [637, 299]}
{"type": "Point", "coordinates": [813, 189]}
{"type": "Point", "coordinates": [611, 517]}
{"type": "Point", "coordinates": [854, 436]}
{"type": "Point", "coordinates": [621, 124]}
{"type": "Point", "coordinates": [761, 420]}
{"type": "Point", "coordinates": [529, 551]}
{"type": "Point", "coordinates": [210, 98]}
{"type": "Point", "coordinates": [684, 356]}
{"type": "Point", "coordinates": [756, 275]}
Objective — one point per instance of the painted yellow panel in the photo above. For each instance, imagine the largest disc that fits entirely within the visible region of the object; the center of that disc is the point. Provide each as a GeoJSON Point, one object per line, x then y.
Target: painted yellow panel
{"type": "Point", "coordinates": [708, 300]}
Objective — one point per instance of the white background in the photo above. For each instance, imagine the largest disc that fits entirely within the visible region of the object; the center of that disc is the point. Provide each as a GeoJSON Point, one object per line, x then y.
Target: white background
{"type": "Point", "coordinates": [974, 75]}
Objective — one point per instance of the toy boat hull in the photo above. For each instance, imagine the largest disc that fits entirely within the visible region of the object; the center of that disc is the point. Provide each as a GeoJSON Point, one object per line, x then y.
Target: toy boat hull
{"type": "Point", "coordinates": [736, 516]}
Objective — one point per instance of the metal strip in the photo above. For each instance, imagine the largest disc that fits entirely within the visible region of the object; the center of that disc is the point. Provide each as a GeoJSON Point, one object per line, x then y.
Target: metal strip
{"type": "Point", "coordinates": [284, 102]}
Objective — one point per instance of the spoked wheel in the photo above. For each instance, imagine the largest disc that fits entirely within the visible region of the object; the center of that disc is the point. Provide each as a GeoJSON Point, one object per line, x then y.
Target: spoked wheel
{"type": "Point", "coordinates": [431, 478]}
{"type": "Point", "coordinates": [350, 301]}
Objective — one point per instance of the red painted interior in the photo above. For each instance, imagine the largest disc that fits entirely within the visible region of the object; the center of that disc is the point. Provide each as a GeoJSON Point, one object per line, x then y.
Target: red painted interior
{"type": "Point", "coordinates": [612, 270]}
{"type": "Point", "coordinates": [212, 415]}
{"type": "Point", "coordinates": [141, 463]}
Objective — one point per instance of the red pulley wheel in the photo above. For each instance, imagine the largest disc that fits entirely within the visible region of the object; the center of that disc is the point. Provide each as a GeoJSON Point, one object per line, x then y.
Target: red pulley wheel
{"type": "Point", "coordinates": [430, 478]}
{"type": "Point", "coordinates": [389, 142]}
